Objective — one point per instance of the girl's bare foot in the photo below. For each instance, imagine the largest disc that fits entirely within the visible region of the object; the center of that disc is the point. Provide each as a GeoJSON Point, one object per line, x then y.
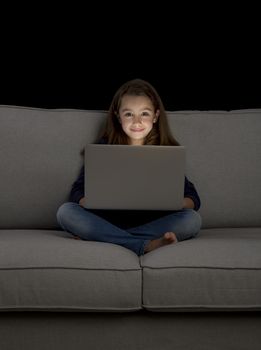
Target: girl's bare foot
{"type": "Point", "coordinates": [167, 238]}
{"type": "Point", "coordinates": [76, 237]}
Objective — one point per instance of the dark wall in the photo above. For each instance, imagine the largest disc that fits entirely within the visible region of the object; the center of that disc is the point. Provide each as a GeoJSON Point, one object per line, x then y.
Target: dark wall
{"type": "Point", "coordinates": [198, 70]}
{"type": "Point", "coordinates": [213, 81]}
{"type": "Point", "coordinates": [89, 86]}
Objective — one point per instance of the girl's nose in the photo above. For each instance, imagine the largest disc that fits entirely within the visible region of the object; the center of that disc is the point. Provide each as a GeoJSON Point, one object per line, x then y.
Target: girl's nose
{"type": "Point", "coordinates": [137, 119]}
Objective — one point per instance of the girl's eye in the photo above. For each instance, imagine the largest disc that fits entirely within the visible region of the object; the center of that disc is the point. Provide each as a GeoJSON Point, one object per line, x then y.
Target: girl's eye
{"type": "Point", "coordinates": [145, 114]}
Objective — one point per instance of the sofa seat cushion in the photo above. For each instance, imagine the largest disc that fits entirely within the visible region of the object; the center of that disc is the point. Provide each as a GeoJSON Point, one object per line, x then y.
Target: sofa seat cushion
{"type": "Point", "coordinates": [50, 270]}
{"type": "Point", "coordinates": [218, 270]}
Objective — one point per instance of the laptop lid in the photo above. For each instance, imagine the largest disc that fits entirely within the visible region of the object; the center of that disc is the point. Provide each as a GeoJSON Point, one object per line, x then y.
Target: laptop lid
{"type": "Point", "coordinates": [134, 177]}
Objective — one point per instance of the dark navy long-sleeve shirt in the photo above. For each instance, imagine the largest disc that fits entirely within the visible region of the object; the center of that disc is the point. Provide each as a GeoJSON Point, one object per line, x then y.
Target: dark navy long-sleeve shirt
{"type": "Point", "coordinates": [130, 218]}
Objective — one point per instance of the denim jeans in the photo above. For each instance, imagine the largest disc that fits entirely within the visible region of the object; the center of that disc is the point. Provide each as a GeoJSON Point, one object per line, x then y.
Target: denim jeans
{"type": "Point", "coordinates": [75, 219]}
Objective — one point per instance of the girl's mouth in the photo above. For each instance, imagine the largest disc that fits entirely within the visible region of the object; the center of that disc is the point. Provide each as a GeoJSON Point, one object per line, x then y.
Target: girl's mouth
{"type": "Point", "coordinates": [137, 130]}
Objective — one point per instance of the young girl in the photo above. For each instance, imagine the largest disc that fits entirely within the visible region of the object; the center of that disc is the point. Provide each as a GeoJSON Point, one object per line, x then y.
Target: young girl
{"type": "Point", "coordinates": [136, 117]}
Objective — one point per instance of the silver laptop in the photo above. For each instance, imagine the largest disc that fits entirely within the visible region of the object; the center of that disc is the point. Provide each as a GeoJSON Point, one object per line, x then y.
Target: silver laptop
{"type": "Point", "coordinates": [134, 177]}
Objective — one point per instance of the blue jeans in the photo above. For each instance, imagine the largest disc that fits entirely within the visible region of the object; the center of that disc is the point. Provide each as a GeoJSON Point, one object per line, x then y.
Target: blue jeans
{"type": "Point", "coordinates": [75, 219]}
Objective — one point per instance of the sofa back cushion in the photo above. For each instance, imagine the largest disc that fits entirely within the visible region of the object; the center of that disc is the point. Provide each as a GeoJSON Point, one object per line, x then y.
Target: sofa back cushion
{"type": "Point", "coordinates": [41, 156]}
{"type": "Point", "coordinates": [224, 163]}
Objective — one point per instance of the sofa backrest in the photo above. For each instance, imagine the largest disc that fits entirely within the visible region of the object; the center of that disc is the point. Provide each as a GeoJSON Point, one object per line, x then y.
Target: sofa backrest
{"type": "Point", "coordinates": [41, 156]}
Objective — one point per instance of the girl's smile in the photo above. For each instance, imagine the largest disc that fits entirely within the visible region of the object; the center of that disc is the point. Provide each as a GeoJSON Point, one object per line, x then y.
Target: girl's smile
{"type": "Point", "coordinates": [137, 130]}
{"type": "Point", "coordinates": [137, 116]}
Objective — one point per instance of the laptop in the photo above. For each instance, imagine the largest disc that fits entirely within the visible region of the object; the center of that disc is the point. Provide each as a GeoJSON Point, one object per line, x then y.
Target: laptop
{"type": "Point", "coordinates": [128, 177]}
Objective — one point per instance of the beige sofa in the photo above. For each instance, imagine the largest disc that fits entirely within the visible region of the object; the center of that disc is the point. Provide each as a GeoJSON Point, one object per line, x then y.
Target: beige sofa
{"type": "Point", "coordinates": [60, 293]}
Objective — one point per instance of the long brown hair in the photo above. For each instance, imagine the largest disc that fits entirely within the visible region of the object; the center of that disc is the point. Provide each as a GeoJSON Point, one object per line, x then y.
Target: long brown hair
{"type": "Point", "coordinates": [160, 133]}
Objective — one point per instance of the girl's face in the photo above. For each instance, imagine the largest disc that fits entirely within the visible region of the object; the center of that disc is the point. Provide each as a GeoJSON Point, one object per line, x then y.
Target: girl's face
{"type": "Point", "coordinates": [137, 116]}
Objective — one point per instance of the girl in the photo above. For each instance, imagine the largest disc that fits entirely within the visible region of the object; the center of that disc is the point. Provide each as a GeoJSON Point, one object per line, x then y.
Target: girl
{"type": "Point", "coordinates": [136, 117]}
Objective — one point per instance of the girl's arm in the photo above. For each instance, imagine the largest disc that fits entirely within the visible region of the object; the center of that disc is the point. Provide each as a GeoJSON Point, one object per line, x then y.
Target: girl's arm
{"type": "Point", "coordinates": [77, 190]}
{"type": "Point", "coordinates": [191, 197]}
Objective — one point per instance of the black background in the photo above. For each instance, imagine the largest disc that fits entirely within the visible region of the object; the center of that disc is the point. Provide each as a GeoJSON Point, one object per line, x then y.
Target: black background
{"type": "Point", "coordinates": [205, 61]}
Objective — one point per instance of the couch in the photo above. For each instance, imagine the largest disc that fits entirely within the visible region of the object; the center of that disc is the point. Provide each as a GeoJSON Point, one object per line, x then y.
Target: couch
{"type": "Point", "coordinates": [57, 292]}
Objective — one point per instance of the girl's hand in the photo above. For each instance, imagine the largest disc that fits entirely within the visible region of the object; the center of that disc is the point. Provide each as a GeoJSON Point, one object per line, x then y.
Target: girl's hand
{"type": "Point", "coordinates": [82, 201]}
{"type": "Point", "coordinates": [188, 203]}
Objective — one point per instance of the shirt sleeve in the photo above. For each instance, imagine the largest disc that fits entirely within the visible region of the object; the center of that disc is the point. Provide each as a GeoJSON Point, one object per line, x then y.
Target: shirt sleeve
{"type": "Point", "coordinates": [191, 192]}
{"type": "Point", "coordinates": [77, 191]}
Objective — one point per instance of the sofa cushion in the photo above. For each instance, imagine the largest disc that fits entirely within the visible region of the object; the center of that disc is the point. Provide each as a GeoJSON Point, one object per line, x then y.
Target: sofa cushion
{"type": "Point", "coordinates": [50, 270]}
{"type": "Point", "coordinates": [223, 153]}
{"type": "Point", "coordinates": [218, 270]}
{"type": "Point", "coordinates": [41, 156]}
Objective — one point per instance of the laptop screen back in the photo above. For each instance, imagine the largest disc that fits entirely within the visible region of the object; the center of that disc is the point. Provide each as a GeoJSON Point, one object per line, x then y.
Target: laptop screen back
{"type": "Point", "coordinates": [134, 177]}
